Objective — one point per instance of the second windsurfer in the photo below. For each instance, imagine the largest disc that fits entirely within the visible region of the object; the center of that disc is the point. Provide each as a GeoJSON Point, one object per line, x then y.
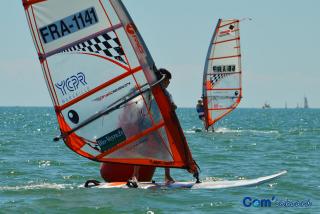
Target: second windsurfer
{"type": "Point", "coordinates": [200, 110]}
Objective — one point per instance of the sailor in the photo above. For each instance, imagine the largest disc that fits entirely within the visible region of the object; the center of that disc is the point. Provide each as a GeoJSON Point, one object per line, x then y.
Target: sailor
{"type": "Point", "coordinates": [167, 177]}
{"type": "Point", "coordinates": [200, 110]}
{"type": "Point", "coordinates": [112, 172]}
{"type": "Point", "coordinates": [132, 182]}
{"type": "Point", "coordinates": [165, 84]}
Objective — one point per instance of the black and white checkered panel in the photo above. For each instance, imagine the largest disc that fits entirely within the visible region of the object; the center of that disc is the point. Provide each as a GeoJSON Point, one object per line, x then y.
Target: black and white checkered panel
{"type": "Point", "coordinates": [106, 44]}
{"type": "Point", "coordinates": [216, 77]}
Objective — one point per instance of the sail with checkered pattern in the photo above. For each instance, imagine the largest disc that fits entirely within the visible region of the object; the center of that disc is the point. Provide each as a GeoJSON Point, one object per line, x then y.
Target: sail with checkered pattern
{"type": "Point", "coordinates": [104, 85]}
{"type": "Point", "coordinates": [106, 44]}
{"type": "Point", "coordinates": [222, 89]}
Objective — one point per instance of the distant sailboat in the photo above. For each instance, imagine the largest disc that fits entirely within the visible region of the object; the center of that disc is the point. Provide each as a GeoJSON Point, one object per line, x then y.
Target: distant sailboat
{"type": "Point", "coordinates": [266, 106]}
{"type": "Point", "coordinates": [305, 102]}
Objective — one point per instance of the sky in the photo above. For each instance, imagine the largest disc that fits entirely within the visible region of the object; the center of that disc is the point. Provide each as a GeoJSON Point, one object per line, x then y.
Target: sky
{"type": "Point", "coordinates": [280, 49]}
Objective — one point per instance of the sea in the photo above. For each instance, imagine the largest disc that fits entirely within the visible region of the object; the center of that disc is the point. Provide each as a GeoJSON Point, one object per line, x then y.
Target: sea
{"type": "Point", "coordinates": [38, 175]}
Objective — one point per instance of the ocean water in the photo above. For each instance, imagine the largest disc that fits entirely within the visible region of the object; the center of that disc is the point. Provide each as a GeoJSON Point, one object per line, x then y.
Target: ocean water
{"type": "Point", "coordinates": [38, 175]}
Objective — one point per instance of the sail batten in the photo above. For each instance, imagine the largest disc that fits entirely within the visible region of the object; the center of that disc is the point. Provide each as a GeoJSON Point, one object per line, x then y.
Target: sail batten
{"type": "Point", "coordinates": [214, 73]}
{"type": "Point", "coordinates": [227, 23]}
{"type": "Point", "coordinates": [224, 57]}
{"type": "Point", "coordinates": [222, 90]}
{"type": "Point", "coordinates": [228, 40]}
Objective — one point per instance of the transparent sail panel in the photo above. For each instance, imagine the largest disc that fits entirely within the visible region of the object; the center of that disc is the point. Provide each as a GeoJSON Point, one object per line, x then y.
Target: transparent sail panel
{"type": "Point", "coordinates": [151, 146]}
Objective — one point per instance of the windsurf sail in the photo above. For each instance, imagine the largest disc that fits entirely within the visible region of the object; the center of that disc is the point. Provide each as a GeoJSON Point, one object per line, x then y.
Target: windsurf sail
{"type": "Point", "coordinates": [222, 90]}
{"type": "Point", "coordinates": [104, 85]}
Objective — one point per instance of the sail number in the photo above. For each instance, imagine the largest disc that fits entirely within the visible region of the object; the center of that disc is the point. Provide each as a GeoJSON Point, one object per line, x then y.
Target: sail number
{"type": "Point", "coordinates": [69, 25]}
{"type": "Point", "coordinates": [224, 68]}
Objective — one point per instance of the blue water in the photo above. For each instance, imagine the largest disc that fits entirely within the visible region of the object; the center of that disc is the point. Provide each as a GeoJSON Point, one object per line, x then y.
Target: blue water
{"type": "Point", "coordinates": [40, 176]}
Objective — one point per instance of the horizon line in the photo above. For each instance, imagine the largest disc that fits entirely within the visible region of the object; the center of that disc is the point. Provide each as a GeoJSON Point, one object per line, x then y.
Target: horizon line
{"type": "Point", "coordinates": [44, 106]}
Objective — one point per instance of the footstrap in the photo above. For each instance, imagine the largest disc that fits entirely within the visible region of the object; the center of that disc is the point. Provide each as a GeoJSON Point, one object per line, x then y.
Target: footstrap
{"type": "Point", "coordinates": [132, 184]}
{"type": "Point", "coordinates": [91, 183]}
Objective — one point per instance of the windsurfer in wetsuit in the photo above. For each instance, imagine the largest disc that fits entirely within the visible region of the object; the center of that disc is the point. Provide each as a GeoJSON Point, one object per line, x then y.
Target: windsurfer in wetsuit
{"type": "Point", "coordinates": [200, 110]}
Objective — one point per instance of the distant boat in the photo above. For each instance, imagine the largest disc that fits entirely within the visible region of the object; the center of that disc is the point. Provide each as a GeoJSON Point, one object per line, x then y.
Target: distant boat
{"type": "Point", "coordinates": [305, 102]}
{"type": "Point", "coordinates": [266, 106]}
{"type": "Point", "coordinates": [285, 105]}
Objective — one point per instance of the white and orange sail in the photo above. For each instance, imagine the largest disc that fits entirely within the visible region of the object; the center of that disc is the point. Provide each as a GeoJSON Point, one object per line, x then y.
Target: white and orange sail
{"type": "Point", "coordinates": [104, 85]}
{"type": "Point", "coordinates": [222, 90]}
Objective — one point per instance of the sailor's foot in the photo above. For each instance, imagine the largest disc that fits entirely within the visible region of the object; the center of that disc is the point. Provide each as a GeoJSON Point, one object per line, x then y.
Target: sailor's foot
{"type": "Point", "coordinates": [169, 180]}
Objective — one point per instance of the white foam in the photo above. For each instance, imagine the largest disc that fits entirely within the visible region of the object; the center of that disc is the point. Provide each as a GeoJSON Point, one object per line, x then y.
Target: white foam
{"type": "Point", "coordinates": [193, 130]}
{"type": "Point", "coordinates": [189, 131]}
{"type": "Point", "coordinates": [224, 130]}
{"type": "Point", "coordinates": [37, 186]}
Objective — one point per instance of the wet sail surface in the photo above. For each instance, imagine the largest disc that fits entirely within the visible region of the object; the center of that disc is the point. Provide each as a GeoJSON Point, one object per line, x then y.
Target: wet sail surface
{"type": "Point", "coordinates": [102, 80]}
{"type": "Point", "coordinates": [222, 89]}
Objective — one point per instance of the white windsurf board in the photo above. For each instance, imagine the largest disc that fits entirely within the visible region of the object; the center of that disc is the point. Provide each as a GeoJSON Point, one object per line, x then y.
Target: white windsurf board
{"type": "Point", "coordinates": [192, 185]}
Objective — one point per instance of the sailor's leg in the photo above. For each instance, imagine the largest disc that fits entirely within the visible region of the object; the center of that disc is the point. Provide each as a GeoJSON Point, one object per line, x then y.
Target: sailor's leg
{"type": "Point", "coordinates": [136, 172]}
{"type": "Point", "coordinates": [203, 122]}
{"type": "Point", "coordinates": [133, 181]}
{"type": "Point", "coordinates": [167, 177]}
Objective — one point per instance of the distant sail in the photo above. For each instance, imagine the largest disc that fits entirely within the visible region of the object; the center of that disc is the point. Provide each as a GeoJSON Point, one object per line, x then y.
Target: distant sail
{"type": "Point", "coordinates": [103, 83]}
{"type": "Point", "coordinates": [222, 90]}
{"type": "Point", "coordinates": [305, 104]}
{"type": "Point", "coordinates": [266, 106]}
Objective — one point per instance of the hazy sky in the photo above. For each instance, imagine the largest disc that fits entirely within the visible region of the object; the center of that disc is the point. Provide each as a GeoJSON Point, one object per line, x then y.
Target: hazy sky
{"type": "Point", "coordinates": [280, 49]}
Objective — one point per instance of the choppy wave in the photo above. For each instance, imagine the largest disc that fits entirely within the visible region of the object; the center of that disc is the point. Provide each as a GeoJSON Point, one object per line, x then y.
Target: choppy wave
{"type": "Point", "coordinates": [194, 130]}
{"type": "Point", "coordinates": [37, 186]}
